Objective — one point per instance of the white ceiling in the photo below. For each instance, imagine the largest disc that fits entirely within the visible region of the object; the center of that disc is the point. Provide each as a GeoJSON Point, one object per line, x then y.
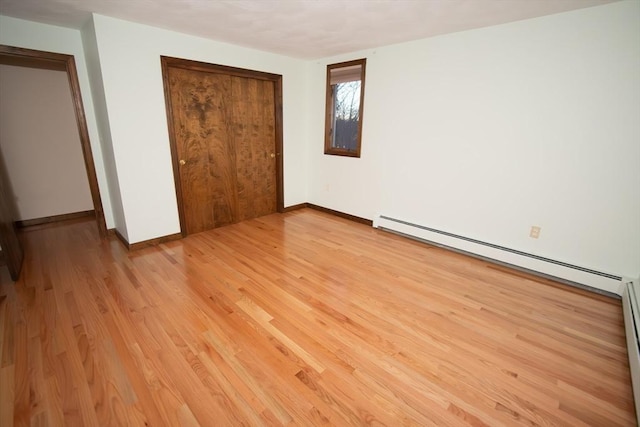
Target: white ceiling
{"type": "Point", "coordinates": [298, 28]}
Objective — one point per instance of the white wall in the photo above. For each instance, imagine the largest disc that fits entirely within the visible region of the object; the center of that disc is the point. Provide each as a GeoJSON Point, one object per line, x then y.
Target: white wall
{"type": "Point", "coordinates": [92, 55]}
{"type": "Point", "coordinates": [31, 35]}
{"type": "Point", "coordinates": [485, 133]}
{"type": "Point", "coordinates": [129, 57]}
{"type": "Point", "coordinates": [481, 133]}
{"type": "Point", "coordinates": [40, 143]}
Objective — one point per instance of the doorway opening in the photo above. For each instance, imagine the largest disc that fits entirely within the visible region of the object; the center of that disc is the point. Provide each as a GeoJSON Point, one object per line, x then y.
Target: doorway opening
{"type": "Point", "coordinates": [61, 62]}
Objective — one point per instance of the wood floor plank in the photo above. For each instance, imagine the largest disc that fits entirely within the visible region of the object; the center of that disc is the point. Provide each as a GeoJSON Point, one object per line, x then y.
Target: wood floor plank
{"type": "Point", "coordinates": [7, 394]}
{"type": "Point", "coordinates": [22, 404]}
{"type": "Point", "coordinates": [299, 319]}
{"type": "Point", "coordinates": [37, 387]}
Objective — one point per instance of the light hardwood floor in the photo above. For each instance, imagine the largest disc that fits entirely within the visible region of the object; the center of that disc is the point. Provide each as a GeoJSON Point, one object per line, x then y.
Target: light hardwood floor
{"type": "Point", "coordinates": [299, 319]}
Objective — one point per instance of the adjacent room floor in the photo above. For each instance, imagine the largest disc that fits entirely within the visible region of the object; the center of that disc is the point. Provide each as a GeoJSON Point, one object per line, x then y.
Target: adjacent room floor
{"type": "Point", "coordinates": [300, 318]}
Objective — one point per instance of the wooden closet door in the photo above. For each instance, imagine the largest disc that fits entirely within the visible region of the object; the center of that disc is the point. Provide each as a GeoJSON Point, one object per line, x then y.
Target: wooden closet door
{"type": "Point", "coordinates": [200, 117]}
{"type": "Point", "coordinates": [253, 123]}
{"type": "Point", "coordinates": [224, 132]}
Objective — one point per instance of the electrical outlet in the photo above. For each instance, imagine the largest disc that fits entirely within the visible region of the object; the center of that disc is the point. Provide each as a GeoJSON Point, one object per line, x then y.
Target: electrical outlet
{"type": "Point", "coordinates": [535, 232]}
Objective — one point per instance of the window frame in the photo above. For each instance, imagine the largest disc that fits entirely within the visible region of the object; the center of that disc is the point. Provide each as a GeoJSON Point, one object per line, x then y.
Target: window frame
{"type": "Point", "coordinates": [330, 110]}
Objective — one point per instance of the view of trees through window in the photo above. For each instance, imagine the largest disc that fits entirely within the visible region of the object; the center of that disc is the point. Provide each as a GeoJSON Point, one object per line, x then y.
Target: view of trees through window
{"type": "Point", "coordinates": [345, 99]}
{"type": "Point", "coordinates": [347, 114]}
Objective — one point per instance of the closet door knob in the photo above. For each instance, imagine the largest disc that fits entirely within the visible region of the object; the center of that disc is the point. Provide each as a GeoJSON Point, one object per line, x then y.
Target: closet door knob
{"type": "Point", "coordinates": [182, 162]}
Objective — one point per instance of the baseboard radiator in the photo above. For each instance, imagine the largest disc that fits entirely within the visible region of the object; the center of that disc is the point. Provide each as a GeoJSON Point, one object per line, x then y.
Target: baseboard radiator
{"type": "Point", "coordinates": [597, 281]}
{"type": "Point", "coordinates": [580, 276]}
{"type": "Point", "coordinates": [631, 309]}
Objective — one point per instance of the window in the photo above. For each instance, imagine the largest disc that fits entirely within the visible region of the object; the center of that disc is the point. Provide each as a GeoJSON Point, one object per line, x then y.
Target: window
{"type": "Point", "coordinates": [345, 98]}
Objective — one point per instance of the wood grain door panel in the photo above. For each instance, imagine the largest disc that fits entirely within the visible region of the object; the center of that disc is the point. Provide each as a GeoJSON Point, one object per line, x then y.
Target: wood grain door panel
{"type": "Point", "coordinates": [254, 132]}
{"type": "Point", "coordinates": [192, 107]}
{"type": "Point", "coordinates": [9, 241]}
{"type": "Point", "coordinates": [224, 136]}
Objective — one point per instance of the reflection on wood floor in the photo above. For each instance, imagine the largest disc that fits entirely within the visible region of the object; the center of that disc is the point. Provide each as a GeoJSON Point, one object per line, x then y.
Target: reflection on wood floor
{"type": "Point", "coordinates": [300, 318]}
